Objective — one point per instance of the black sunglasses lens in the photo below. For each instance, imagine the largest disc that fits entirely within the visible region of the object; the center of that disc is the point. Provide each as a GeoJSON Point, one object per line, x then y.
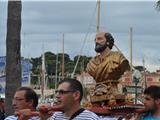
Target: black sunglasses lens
{"type": "Point", "coordinates": [60, 92]}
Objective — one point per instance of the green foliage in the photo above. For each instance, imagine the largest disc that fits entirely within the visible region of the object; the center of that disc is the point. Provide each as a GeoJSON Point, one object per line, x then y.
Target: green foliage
{"type": "Point", "coordinates": [36, 62]}
{"type": "Point", "coordinates": [51, 86]}
{"type": "Point", "coordinates": [50, 63]}
{"type": "Point", "coordinates": [158, 5]}
{"type": "Point", "coordinates": [69, 66]}
{"type": "Point", "coordinates": [82, 63]}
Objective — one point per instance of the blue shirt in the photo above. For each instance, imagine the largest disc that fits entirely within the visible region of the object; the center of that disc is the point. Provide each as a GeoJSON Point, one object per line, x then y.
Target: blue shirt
{"type": "Point", "coordinates": [149, 117]}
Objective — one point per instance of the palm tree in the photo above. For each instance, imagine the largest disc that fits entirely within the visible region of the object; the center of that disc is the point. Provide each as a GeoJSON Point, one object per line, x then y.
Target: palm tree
{"type": "Point", "coordinates": [158, 5]}
{"type": "Point", "coordinates": [13, 56]}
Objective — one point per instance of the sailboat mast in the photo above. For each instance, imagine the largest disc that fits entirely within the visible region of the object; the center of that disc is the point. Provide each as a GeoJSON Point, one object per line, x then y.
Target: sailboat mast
{"type": "Point", "coordinates": [56, 71]}
{"type": "Point", "coordinates": [131, 65]}
{"type": "Point", "coordinates": [43, 76]}
{"type": "Point", "coordinates": [145, 81]}
{"type": "Point", "coordinates": [63, 56]}
{"type": "Point", "coordinates": [98, 16]}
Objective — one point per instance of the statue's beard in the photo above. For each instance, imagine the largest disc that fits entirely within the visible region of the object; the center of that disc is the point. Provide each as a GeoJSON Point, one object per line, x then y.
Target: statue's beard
{"type": "Point", "coordinates": [100, 48]}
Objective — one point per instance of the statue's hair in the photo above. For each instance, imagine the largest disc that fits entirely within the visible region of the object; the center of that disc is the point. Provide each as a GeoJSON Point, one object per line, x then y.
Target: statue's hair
{"type": "Point", "coordinates": [109, 39]}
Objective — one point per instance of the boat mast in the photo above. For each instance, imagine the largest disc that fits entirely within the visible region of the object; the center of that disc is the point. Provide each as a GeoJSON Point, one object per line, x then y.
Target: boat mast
{"type": "Point", "coordinates": [131, 65]}
{"type": "Point", "coordinates": [63, 56]}
{"type": "Point", "coordinates": [56, 81]}
{"type": "Point", "coordinates": [98, 16]}
{"type": "Point", "coordinates": [97, 30]}
{"type": "Point", "coordinates": [43, 87]}
{"type": "Point", "coordinates": [145, 81]}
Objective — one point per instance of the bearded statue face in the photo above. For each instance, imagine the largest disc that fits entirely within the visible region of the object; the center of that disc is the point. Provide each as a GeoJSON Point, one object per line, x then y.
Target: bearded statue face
{"type": "Point", "coordinates": [100, 47]}
{"type": "Point", "coordinates": [100, 42]}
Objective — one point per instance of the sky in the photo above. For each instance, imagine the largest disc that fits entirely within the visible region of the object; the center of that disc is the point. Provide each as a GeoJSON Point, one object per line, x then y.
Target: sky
{"type": "Point", "coordinates": [45, 22]}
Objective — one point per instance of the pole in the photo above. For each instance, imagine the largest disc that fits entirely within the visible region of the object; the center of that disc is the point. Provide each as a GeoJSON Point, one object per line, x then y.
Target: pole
{"type": "Point", "coordinates": [136, 83]}
{"type": "Point", "coordinates": [98, 16]}
{"type": "Point", "coordinates": [43, 76]}
{"type": "Point", "coordinates": [63, 56]}
{"type": "Point", "coordinates": [131, 52]}
{"type": "Point", "coordinates": [56, 71]}
{"type": "Point", "coordinates": [145, 81]}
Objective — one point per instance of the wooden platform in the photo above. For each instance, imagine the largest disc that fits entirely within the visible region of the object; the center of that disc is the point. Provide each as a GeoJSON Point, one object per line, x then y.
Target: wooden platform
{"type": "Point", "coordinates": [116, 109]}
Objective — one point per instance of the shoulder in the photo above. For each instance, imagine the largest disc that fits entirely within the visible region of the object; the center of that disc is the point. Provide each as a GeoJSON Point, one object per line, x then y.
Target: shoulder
{"type": "Point", "coordinates": [94, 58]}
{"type": "Point", "coordinates": [88, 115]}
{"type": "Point", "coordinates": [57, 116]}
{"type": "Point", "coordinates": [57, 113]}
{"type": "Point", "coordinates": [118, 56]}
{"type": "Point", "coordinates": [34, 118]}
{"type": "Point", "coordinates": [116, 53]}
{"type": "Point", "coordinates": [12, 117]}
{"type": "Point", "coordinates": [147, 116]}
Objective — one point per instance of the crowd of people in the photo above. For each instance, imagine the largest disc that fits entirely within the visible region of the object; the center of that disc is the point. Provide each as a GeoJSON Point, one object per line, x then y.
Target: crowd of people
{"type": "Point", "coordinates": [105, 68]}
{"type": "Point", "coordinates": [69, 95]}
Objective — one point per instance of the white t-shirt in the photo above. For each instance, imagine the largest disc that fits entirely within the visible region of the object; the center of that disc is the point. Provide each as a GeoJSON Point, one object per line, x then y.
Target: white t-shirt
{"type": "Point", "coordinates": [85, 115]}
{"type": "Point", "coordinates": [13, 117]}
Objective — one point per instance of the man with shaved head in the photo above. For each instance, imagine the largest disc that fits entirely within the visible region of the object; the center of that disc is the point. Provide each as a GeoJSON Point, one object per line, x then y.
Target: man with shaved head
{"type": "Point", "coordinates": [107, 67]}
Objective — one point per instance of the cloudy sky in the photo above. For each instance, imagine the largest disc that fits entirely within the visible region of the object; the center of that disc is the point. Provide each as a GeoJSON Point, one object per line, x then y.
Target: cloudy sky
{"type": "Point", "coordinates": [44, 22]}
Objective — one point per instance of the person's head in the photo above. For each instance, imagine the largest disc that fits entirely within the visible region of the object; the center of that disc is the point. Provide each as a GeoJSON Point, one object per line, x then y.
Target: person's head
{"type": "Point", "coordinates": [1, 103]}
{"type": "Point", "coordinates": [152, 98]}
{"type": "Point", "coordinates": [69, 91]}
{"type": "Point", "coordinates": [103, 40]}
{"type": "Point", "coordinates": [25, 98]}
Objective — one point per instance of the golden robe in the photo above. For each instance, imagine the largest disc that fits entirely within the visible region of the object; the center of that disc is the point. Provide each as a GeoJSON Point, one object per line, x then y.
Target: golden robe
{"type": "Point", "coordinates": [106, 70]}
{"type": "Point", "coordinates": [111, 67]}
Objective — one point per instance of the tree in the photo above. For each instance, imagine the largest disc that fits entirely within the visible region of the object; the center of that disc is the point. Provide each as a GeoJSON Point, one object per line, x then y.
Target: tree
{"type": "Point", "coordinates": [82, 63]}
{"type": "Point", "coordinates": [158, 5]}
{"type": "Point", "coordinates": [50, 62]}
{"type": "Point", "coordinates": [13, 55]}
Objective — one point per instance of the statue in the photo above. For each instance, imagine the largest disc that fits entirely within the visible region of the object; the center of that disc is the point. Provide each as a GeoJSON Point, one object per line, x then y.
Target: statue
{"type": "Point", "coordinates": [106, 68]}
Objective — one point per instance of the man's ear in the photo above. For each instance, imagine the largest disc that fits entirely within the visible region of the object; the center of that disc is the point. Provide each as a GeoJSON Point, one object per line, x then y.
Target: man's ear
{"type": "Point", "coordinates": [30, 103]}
{"type": "Point", "coordinates": [157, 101]}
{"type": "Point", "coordinates": [76, 95]}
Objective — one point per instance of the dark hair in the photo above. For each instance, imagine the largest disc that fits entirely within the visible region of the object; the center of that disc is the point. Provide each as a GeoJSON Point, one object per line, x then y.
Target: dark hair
{"type": "Point", "coordinates": [109, 39]}
{"type": "Point", "coordinates": [74, 85]}
{"type": "Point", "coordinates": [153, 91]}
{"type": "Point", "coordinates": [2, 100]}
{"type": "Point", "coordinates": [30, 94]}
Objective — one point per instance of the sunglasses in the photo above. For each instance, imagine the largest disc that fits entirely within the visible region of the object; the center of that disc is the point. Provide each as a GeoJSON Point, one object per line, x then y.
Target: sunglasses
{"type": "Point", "coordinates": [62, 92]}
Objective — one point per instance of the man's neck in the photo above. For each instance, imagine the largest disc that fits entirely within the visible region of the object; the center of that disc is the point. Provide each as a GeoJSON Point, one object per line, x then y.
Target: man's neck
{"type": "Point", "coordinates": [32, 109]}
{"type": "Point", "coordinates": [156, 114]}
{"type": "Point", "coordinates": [71, 111]}
{"type": "Point", "coordinates": [105, 52]}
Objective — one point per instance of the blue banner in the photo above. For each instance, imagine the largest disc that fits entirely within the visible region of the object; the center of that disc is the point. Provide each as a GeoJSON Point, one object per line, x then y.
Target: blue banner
{"type": "Point", "coordinates": [26, 71]}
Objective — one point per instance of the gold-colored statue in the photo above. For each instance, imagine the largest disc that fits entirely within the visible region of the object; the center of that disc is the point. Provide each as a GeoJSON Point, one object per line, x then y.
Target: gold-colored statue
{"type": "Point", "coordinates": [106, 68]}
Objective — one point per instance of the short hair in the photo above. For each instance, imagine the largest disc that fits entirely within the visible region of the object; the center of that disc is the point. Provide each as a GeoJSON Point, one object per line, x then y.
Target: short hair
{"type": "Point", "coordinates": [153, 91]}
{"type": "Point", "coordinates": [75, 85]}
{"type": "Point", "coordinates": [109, 39]}
{"type": "Point", "coordinates": [1, 100]}
{"type": "Point", "coordinates": [30, 94]}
